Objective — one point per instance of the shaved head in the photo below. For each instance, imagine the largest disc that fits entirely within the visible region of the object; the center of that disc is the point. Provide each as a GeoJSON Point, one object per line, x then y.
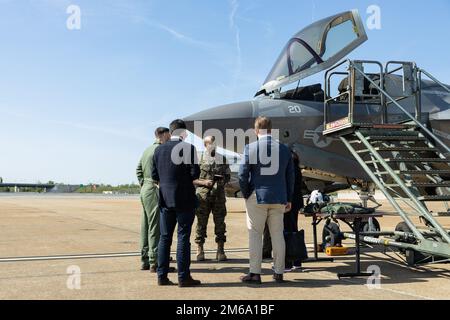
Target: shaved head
{"type": "Point", "coordinates": [208, 140]}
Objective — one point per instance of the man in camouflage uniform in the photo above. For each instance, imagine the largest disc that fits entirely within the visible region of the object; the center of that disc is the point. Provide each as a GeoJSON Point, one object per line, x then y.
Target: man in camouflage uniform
{"type": "Point", "coordinates": [149, 199]}
{"type": "Point", "coordinates": [214, 175]}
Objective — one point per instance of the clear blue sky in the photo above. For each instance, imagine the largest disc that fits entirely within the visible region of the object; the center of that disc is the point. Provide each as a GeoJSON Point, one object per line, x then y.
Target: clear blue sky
{"type": "Point", "coordinates": [80, 106]}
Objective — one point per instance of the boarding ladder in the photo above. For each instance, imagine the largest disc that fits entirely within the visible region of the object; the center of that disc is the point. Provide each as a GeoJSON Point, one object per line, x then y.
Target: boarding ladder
{"type": "Point", "coordinates": [402, 157]}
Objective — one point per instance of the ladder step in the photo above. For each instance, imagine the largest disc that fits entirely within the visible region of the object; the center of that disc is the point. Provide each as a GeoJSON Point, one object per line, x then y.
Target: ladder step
{"type": "Point", "coordinates": [395, 138]}
{"type": "Point", "coordinates": [422, 184]}
{"type": "Point", "coordinates": [417, 160]}
{"type": "Point", "coordinates": [431, 184]}
{"type": "Point", "coordinates": [428, 160]}
{"type": "Point", "coordinates": [393, 126]}
{"type": "Point", "coordinates": [442, 214]}
{"type": "Point", "coordinates": [388, 126]}
{"type": "Point", "coordinates": [389, 133]}
{"type": "Point", "coordinates": [405, 149]}
{"type": "Point", "coordinates": [434, 198]}
{"type": "Point", "coordinates": [422, 172]}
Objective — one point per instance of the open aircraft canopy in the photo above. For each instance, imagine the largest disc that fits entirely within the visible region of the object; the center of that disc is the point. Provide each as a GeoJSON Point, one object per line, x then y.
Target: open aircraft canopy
{"type": "Point", "coordinates": [317, 47]}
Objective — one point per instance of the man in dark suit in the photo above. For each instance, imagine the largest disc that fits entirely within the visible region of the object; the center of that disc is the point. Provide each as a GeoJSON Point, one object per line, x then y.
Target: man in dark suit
{"type": "Point", "coordinates": [175, 168]}
{"type": "Point", "coordinates": [291, 217]}
{"type": "Point", "coordinates": [266, 178]}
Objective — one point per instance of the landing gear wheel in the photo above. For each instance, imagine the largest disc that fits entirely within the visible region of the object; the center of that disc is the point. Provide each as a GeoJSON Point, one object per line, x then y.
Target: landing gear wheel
{"type": "Point", "coordinates": [412, 257]}
{"type": "Point", "coordinates": [367, 227]}
{"type": "Point", "coordinates": [331, 235]}
{"type": "Point", "coordinates": [403, 227]}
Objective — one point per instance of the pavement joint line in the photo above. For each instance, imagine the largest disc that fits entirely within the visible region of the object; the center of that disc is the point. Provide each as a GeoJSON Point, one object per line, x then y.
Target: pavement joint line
{"type": "Point", "coordinates": [96, 256]}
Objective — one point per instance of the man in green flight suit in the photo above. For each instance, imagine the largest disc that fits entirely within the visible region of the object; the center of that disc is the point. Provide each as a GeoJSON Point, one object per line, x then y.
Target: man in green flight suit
{"type": "Point", "coordinates": [214, 175]}
{"type": "Point", "coordinates": [149, 198]}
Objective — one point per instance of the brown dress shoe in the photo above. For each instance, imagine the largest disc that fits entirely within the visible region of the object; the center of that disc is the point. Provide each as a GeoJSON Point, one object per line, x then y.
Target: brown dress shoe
{"type": "Point", "coordinates": [189, 282]}
{"type": "Point", "coordinates": [251, 278]}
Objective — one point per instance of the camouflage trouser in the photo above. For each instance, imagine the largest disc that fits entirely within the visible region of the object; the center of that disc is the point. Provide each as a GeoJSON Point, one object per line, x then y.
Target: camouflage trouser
{"type": "Point", "coordinates": [219, 212]}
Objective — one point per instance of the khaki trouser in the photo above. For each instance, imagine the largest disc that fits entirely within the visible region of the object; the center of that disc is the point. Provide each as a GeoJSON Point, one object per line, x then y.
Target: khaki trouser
{"type": "Point", "coordinates": [257, 215]}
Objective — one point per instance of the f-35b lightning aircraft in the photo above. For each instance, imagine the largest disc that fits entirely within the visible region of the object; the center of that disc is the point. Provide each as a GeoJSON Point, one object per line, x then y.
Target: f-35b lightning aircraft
{"type": "Point", "coordinates": [386, 128]}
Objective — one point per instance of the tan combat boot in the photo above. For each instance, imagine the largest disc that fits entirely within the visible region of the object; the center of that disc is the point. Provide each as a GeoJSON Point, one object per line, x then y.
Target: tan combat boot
{"type": "Point", "coordinates": [200, 253]}
{"type": "Point", "coordinates": [220, 256]}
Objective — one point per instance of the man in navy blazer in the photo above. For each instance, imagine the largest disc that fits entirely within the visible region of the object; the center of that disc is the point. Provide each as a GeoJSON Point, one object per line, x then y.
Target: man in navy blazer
{"type": "Point", "coordinates": [266, 179]}
{"type": "Point", "coordinates": [175, 168]}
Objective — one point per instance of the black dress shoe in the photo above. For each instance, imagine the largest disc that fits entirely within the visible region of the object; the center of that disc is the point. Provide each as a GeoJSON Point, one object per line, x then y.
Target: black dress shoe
{"type": "Point", "coordinates": [189, 282]}
{"type": "Point", "coordinates": [278, 278]}
{"type": "Point", "coordinates": [251, 278]}
{"type": "Point", "coordinates": [145, 267]}
{"type": "Point", "coordinates": [165, 282]}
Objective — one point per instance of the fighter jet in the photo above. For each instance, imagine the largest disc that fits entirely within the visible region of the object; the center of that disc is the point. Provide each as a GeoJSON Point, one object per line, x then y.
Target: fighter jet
{"type": "Point", "coordinates": [298, 111]}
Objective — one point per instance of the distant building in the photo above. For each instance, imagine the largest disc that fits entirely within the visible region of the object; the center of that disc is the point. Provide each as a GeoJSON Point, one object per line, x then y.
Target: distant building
{"type": "Point", "coordinates": [64, 188]}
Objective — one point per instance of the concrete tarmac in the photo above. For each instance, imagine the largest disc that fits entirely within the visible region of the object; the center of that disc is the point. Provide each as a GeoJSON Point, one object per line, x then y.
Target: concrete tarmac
{"type": "Point", "coordinates": [49, 225]}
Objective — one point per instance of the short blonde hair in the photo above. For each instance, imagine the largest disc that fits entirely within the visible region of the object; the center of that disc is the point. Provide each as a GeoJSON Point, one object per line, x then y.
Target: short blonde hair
{"type": "Point", "coordinates": [263, 123]}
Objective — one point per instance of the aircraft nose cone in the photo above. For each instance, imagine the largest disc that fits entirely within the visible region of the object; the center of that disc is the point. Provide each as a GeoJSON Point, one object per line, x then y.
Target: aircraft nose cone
{"type": "Point", "coordinates": [217, 117]}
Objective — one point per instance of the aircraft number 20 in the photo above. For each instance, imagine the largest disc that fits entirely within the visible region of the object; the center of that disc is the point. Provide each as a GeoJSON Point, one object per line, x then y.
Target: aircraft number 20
{"type": "Point", "coordinates": [294, 109]}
